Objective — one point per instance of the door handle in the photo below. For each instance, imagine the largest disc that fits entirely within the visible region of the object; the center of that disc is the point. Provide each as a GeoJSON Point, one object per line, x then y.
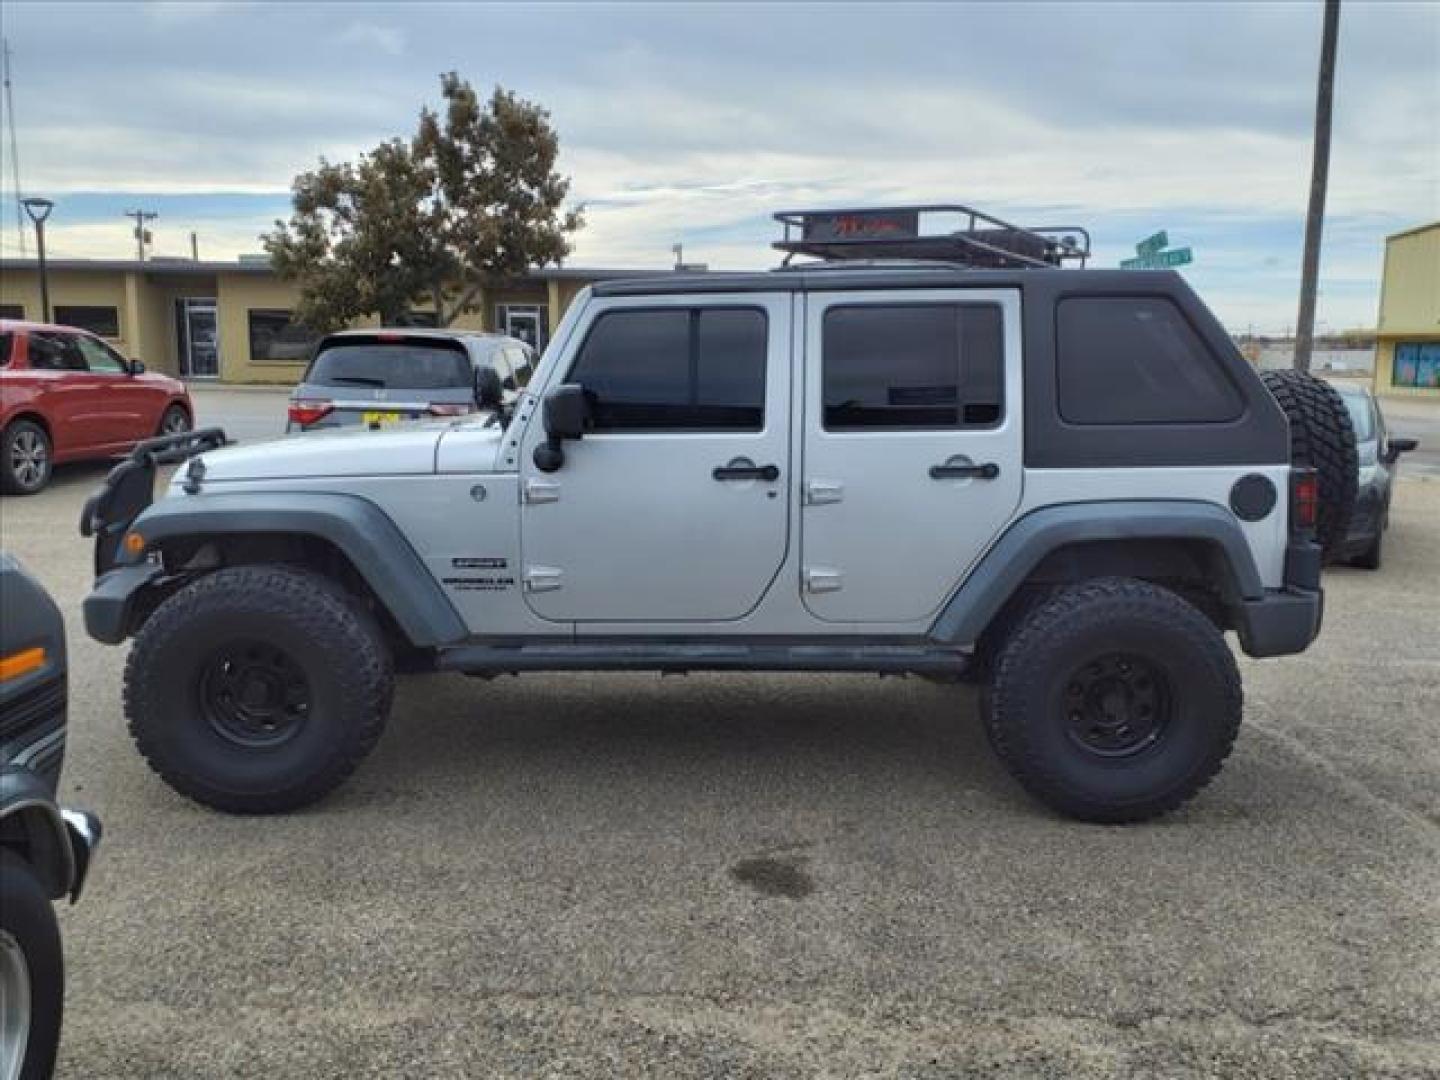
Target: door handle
{"type": "Point", "coordinates": [746, 472]}
{"type": "Point", "coordinates": [988, 471]}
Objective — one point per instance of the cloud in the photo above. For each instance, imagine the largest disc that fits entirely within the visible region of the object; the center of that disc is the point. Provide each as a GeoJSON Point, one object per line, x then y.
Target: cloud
{"type": "Point", "coordinates": [387, 39]}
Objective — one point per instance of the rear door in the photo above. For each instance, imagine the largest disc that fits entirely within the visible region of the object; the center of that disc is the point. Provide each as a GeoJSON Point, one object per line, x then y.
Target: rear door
{"type": "Point", "coordinates": [912, 450]}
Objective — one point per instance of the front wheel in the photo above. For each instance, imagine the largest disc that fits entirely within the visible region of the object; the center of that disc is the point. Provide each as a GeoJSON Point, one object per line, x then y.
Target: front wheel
{"type": "Point", "coordinates": [258, 689]}
{"type": "Point", "coordinates": [26, 458]}
{"type": "Point", "coordinates": [1114, 701]}
{"type": "Point", "coordinates": [32, 974]}
{"type": "Point", "coordinates": [176, 421]}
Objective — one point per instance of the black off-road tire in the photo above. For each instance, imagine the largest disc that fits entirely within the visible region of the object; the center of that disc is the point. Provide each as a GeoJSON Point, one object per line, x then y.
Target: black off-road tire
{"type": "Point", "coordinates": [13, 482]}
{"type": "Point", "coordinates": [26, 915]}
{"type": "Point", "coordinates": [1322, 438]}
{"type": "Point", "coordinates": [192, 641]}
{"type": "Point", "coordinates": [1034, 711]}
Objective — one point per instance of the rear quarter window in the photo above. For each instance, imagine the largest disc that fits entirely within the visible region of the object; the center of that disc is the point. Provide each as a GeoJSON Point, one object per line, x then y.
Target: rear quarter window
{"type": "Point", "coordinates": [1137, 360]}
{"type": "Point", "coordinates": [407, 365]}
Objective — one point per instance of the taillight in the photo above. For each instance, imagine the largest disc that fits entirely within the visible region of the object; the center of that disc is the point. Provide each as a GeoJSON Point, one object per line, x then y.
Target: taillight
{"type": "Point", "coordinates": [305, 411]}
{"type": "Point", "coordinates": [460, 409]}
{"type": "Point", "coordinates": [1304, 499]}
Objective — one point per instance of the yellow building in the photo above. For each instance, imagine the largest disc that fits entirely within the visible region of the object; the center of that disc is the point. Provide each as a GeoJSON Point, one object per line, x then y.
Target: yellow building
{"type": "Point", "coordinates": [1407, 346]}
{"type": "Point", "coordinates": [232, 321]}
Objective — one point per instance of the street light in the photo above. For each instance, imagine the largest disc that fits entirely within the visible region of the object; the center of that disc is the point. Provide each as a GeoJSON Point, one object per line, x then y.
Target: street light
{"type": "Point", "coordinates": [39, 209]}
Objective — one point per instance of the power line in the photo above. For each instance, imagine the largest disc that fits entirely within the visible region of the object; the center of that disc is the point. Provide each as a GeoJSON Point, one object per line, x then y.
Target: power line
{"type": "Point", "coordinates": [14, 143]}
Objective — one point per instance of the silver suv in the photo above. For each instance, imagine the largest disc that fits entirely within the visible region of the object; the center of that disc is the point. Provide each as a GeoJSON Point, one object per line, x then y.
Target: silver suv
{"type": "Point", "coordinates": [985, 462]}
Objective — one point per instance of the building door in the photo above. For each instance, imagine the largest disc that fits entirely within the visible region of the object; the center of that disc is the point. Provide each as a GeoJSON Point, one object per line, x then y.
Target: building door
{"type": "Point", "coordinates": [521, 321]}
{"type": "Point", "coordinates": [912, 446]}
{"type": "Point", "coordinates": [197, 335]}
{"type": "Point", "coordinates": [673, 507]}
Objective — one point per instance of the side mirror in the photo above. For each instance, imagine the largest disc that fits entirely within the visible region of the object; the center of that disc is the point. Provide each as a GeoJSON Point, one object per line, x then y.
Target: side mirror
{"type": "Point", "coordinates": [566, 414]}
{"type": "Point", "coordinates": [488, 392]}
{"type": "Point", "coordinates": [1395, 447]}
{"type": "Point", "coordinates": [137, 367]}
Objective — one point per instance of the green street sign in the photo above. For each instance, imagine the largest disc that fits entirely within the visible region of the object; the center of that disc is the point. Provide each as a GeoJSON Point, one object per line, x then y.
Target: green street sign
{"type": "Point", "coordinates": [1159, 260]}
{"type": "Point", "coordinates": [1151, 244]}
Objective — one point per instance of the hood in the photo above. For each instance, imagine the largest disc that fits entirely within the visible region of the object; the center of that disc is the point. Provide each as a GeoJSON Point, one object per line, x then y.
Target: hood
{"type": "Point", "coordinates": [401, 450]}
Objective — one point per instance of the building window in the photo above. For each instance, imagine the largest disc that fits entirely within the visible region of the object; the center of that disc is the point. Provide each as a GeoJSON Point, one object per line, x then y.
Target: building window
{"type": "Point", "coordinates": [12, 311]}
{"type": "Point", "coordinates": [275, 338]}
{"type": "Point", "coordinates": [1137, 360]}
{"type": "Point", "coordinates": [1417, 363]}
{"type": "Point", "coordinates": [678, 369]}
{"type": "Point", "coordinates": [102, 321]}
{"type": "Point", "coordinates": [912, 366]}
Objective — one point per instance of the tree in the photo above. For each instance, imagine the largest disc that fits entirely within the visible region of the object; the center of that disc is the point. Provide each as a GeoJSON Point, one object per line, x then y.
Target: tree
{"type": "Point", "coordinates": [473, 199]}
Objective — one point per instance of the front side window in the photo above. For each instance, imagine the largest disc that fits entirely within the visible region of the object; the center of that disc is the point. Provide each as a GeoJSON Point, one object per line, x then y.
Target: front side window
{"type": "Point", "coordinates": [676, 369]}
{"type": "Point", "coordinates": [1137, 360]}
{"type": "Point", "coordinates": [929, 366]}
{"type": "Point", "coordinates": [276, 338]}
{"type": "Point", "coordinates": [101, 321]}
{"type": "Point", "coordinates": [99, 357]}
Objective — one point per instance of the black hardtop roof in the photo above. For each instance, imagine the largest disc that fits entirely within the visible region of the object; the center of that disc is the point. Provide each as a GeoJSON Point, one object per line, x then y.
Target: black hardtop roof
{"type": "Point", "coordinates": [821, 277]}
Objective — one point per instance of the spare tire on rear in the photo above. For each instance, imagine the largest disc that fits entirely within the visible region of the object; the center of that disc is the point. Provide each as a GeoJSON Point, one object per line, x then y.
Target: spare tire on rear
{"type": "Point", "coordinates": [1322, 438]}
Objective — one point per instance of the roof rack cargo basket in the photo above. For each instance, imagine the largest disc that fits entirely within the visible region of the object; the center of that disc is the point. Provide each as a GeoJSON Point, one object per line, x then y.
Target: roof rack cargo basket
{"type": "Point", "coordinates": [895, 232]}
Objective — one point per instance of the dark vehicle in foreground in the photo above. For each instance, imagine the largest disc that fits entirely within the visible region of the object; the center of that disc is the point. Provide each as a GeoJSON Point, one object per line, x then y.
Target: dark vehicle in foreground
{"type": "Point", "coordinates": [374, 378]}
{"type": "Point", "coordinates": [65, 395]}
{"type": "Point", "coordinates": [1379, 458]}
{"type": "Point", "coordinates": [45, 850]}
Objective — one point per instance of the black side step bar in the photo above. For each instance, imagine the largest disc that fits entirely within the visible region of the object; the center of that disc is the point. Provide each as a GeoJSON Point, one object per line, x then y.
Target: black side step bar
{"type": "Point", "coordinates": [890, 659]}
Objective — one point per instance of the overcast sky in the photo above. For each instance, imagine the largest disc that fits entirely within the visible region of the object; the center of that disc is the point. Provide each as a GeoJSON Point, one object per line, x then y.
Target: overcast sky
{"type": "Point", "coordinates": [694, 123]}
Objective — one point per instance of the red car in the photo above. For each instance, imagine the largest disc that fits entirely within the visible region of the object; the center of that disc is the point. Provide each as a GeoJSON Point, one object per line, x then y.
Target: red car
{"type": "Point", "coordinates": [65, 395]}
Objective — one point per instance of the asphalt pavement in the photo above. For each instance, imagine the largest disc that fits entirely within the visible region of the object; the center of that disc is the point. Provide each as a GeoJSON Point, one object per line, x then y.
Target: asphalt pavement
{"type": "Point", "coordinates": [771, 876]}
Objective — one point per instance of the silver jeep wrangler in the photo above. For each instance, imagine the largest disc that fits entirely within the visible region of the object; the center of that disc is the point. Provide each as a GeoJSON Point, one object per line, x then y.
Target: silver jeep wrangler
{"type": "Point", "coordinates": [947, 453]}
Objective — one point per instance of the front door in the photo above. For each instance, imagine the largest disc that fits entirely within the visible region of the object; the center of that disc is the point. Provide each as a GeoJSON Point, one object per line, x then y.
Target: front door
{"type": "Point", "coordinates": [197, 331]}
{"type": "Point", "coordinates": [913, 451]}
{"type": "Point", "coordinates": [674, 508]}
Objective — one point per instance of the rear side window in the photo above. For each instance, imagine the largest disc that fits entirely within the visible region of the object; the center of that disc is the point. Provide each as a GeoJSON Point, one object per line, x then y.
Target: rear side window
{"type": "Point", "coordinates": [400, 365]}
{"type": "Point", "coordinates": [929, 366]}
{"type": "Point", "coordinates": [54, 352]}
{"type": "Point", "coordinates": [677, 369]}
{"type": "Point", "coordinates": [1137, 360]}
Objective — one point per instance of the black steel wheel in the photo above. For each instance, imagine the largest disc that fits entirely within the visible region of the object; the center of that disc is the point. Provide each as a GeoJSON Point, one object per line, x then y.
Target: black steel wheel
{"type": "Point", "coordinates": [258, 689]}
{"type": "Point", "coordinates": [1114, 700]}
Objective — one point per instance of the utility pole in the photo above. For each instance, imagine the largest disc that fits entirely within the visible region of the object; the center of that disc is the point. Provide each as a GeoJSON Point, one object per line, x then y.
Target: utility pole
{"type": "Point", "coordinates": [39, 209]}
{"type": "Point", "coordinates": [142, 234]}
{"type": "Point", "coordinates": [1319, 177]}
{"type": "Point", "coordinates": [194, 247]}
{"type": "Point", "coordinates": [14, 144]}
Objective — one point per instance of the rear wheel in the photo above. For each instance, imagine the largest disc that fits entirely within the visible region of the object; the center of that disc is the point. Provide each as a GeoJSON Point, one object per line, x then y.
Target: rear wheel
{"type": "Point", "coordinates": [1114, 700]}
{"type": "Point", "coordinates": [176, 421]}
{"type": "Point", "coordinates": [1322, 438]}
{"type": "Point", "coordinates": [26, 458]}
{"type": "Point", "coordinates": [258, 689]}
{"type": "Point", "coordinates": [32, 974]}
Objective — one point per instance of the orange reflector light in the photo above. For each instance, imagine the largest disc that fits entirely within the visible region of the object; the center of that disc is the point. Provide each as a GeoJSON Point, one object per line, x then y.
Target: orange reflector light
{"type": "Point", "coordinates": [134, 543]}
{"type": "Point", "coordinates": [21, 663]}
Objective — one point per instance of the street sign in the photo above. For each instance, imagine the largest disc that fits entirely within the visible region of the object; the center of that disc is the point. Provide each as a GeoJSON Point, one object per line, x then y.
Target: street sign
{"type": "Point", "coordinates": [1159, 260]}
{"type": "Point", "coordinates": [1151, 244]}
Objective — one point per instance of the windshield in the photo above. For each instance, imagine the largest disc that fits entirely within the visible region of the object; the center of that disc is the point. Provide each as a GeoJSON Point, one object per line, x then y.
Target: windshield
{"type": "Point", "coordinates": [1359, 406]}
{"type": "Point", "coordinates": [401, 365]}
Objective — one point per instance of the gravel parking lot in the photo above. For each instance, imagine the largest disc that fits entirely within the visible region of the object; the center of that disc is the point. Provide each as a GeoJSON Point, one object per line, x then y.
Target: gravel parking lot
{"type": "Point", "coordinates": [770, 876]}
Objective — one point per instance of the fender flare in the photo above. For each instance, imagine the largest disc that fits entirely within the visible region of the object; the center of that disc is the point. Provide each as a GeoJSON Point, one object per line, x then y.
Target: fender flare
{"type": "Point", "coordinates": [355, 526]}
{"type": "Point", "coordinates": [1028, 540]}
